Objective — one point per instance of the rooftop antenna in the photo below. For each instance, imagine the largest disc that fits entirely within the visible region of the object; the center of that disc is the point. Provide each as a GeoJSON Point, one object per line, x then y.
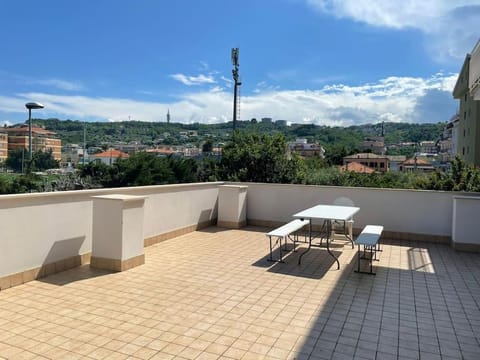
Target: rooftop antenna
{"type": "Point", "coordinates": [235, 54]}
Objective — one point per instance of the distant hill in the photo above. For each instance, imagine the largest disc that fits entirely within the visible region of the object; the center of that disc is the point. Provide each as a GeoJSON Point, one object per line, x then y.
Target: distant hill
{"type": "Point", "coordinates": [150, 133]}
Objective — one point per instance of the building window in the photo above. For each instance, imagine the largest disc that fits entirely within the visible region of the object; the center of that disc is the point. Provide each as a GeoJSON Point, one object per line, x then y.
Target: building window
{"type": "Point", "coordinates": [464, 115]}
{"type": "Point", "coordinates": [463, 151]}
{"type": "Point", "coordinates": [465, 97]}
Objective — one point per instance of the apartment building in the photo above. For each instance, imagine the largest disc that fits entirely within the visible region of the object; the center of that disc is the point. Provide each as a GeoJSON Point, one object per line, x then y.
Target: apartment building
{"type": "Point", "coordinates": [3, 147]}
{"type": "Point", "coordinates": [42, 140]}
{"type": "Point", "coordinates": [468, 141]}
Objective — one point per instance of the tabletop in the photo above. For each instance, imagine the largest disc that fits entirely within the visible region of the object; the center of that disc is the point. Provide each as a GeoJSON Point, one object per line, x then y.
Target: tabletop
{"type": "Point", "coordinates": [333, 212]}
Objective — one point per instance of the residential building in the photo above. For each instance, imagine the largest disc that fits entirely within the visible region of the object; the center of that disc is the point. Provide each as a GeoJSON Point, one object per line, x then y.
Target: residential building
{"type": "Point", "coordinates": [428, 147]}
{"type": "Point", "coordinates": [71, 154]}
{"type": "Point", "coordinates": [131, 147]}
{"type": "Point", "coordinates": [109, 156]}
{"type": "Point", "coordinates": [42, 140]}
{"type": "Point", "coordinates": [376, 162]}
{"type": "Point", "coordinates": [304, 149]}
{"type": "Point", "coordinates": [166, 150]}
{"type": "Point", "coordinates": [375, 145]}
{"type": "Point", "coordinates": [395, 161]}
{"type": "Point", "coordinates": [357, 168]}
{"type": "Point", "coordinates": [416, 165]}
{"type": "Point", "coordinates": [3, 146]}
{"type": "Point", "coordinates": [447, 146]}
{"type": "Point", "coordinates": [469, 118]}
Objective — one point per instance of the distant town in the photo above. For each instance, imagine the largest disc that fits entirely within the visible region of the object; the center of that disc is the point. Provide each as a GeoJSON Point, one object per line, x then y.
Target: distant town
{"type": "Point", "coordinates": [368, 148]}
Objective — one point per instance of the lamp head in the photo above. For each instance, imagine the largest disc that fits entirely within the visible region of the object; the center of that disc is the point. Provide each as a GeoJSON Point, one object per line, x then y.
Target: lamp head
{"type": "Point", "coordinates": [34, 105]}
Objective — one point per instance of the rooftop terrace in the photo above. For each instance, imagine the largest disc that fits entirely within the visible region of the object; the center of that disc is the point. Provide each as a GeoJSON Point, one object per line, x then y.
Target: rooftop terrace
{"type": "Point", "coordinates": [191, 290]}
{"type": "Point", "coordinates": [211, 294]}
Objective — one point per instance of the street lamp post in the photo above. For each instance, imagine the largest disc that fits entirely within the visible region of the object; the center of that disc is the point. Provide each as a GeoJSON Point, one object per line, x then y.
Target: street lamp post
{"type": "Point", "coordinates": [30, 106]}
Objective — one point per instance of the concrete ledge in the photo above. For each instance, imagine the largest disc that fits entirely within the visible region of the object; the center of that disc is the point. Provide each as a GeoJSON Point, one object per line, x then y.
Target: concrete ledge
{"type": "Point", "coordinates": [43, 271]}
{"type": "Point", "coordinates": [116, 264]}
{"type": "Point", "coordinates": [178, 232]}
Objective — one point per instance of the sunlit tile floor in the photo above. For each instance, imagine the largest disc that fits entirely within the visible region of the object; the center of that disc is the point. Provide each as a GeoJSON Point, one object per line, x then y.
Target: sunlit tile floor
{"type": "Point", "coordinates": [212, 295]}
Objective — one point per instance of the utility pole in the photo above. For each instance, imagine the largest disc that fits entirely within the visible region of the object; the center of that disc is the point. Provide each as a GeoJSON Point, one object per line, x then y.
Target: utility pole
{"type": "Point", "coordinates": [235, 54]}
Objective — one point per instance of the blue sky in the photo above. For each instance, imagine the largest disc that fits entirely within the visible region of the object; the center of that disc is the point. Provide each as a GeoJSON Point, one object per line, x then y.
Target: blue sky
{"type": "Point", "coordinates": [327, 62]}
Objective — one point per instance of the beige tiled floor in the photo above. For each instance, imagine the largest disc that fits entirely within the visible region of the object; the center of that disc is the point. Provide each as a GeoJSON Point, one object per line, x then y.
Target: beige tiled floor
{"type": "Point", "coordinates": [212, 295]}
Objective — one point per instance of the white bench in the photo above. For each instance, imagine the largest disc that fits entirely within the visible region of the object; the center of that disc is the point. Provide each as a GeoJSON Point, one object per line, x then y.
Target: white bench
{"type": "Point", "coordinates": [284, 232]}
{"type": "Point", "coordinates": [369, 238]}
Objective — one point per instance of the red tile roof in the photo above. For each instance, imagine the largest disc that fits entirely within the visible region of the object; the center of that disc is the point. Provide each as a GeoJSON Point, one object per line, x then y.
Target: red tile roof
{"type": "Point", "coordinates": [357, 168]}
{"type": "Point", "coordinates": [110, 153]}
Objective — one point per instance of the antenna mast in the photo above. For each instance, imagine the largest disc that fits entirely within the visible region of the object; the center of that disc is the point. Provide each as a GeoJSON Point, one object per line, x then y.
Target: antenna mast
{"type": "Point", "coordinates": [235, 54]}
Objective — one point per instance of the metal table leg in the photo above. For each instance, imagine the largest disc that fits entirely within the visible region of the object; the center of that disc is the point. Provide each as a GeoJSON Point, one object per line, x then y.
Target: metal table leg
{"type": "Point", "coordinates": [309, 241]}
{"type": "Point", "coordinates": [329, 228]}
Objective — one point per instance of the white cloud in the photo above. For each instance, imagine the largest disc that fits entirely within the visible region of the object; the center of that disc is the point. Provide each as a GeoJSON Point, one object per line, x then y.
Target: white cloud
{"type": "Point", "coordinates": [400, 99]}
{"type": "Point", "coordinates": [194, 80]}
{"type": "Point", "coordinates": [451, 27]}
{"type": "Point", "coordinates": [59, 84]}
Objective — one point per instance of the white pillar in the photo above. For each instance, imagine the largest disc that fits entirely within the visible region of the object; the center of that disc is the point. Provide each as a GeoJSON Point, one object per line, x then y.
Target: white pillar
{"type": "Point", "coordinates": [232, 206]}
{"type": "Point", "coordinates": [465, 223]}
{"type": "Point", "coordinates": [117, 234]}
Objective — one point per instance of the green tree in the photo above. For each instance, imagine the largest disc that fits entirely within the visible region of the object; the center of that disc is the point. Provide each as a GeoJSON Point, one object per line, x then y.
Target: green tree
{"type": "Point", "coordinates": [43, 160]}
{"type": "Point", "coordinates": [260, 158]}
{"type": "Point", "coordinates": [207, 146]}
{"type": "Point", "coordinates": [184, 170]}
{"type": "Point", "coordinates": [208, 169]}
{"type": "Point", "coordinates": [16, 160]}
{"type": "Point", "coordinates": [139, 170]}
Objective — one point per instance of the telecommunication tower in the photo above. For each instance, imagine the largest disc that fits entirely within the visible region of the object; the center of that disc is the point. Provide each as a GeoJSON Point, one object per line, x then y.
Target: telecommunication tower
{"type": "Point", "coordinates": [235, 54]}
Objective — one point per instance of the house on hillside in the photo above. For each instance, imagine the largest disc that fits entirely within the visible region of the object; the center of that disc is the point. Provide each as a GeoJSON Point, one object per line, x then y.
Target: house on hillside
{"type": "Point", "coordinates": [357, 168]}
{"type": "Point", "coordinates": [376, 162]}
{"type": "Point", "coordinates": [304, 149]}
{"type": "Point", "coordinates": [416, 165]}
{"type": "Point", "coordinates": [109, 157]}
{"type": "Point", "coordinates": [374, 144]}
{"type": "Point", "coordinates": [395, 161]}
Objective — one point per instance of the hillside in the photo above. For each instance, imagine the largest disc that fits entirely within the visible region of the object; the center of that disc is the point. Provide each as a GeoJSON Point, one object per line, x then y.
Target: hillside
{"type": "Point", "coordinates": [150, 133]}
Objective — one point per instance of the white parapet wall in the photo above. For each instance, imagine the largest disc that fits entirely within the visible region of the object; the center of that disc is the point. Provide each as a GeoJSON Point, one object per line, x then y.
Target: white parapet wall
{"type": "Point", "coordinates": [44, 233]}
{"type": "Point", "coordinates": [466, 211]}
{"type": "Point", "coordinates": [405, 214]}
{"type": "Point", "coordinates": [48, 232]}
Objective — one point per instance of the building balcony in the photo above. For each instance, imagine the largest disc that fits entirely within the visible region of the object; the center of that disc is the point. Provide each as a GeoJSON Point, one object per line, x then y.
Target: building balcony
{"type": "Point", "coordinates": [207, 292]}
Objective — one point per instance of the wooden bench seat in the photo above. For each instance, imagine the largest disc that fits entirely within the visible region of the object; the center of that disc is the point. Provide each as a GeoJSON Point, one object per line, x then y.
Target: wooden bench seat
{"type": "Point", "coordinates": [369, 238]}
{"type": "Point", "coordinates": [284, 232]}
